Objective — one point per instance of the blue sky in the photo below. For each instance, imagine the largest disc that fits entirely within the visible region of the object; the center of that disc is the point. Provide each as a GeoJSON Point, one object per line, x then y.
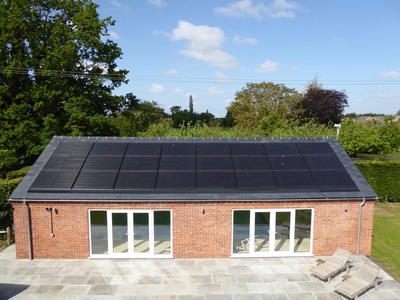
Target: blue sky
{"type": "Point", "coordinates": [210, 49]}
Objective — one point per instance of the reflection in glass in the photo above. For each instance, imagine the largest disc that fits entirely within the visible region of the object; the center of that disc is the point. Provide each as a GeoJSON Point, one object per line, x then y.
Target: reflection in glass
{"type": "Point", "coordinates": [261, 236]}
{"type": "Point", "coordinates": [162, 232]}
{"type": "Point", "coordinates": [282, 231]}
{"type": "Point", "coordinates": [141, 233]}
{"type": "Point", "coordinates": [98, 232]}
{"type": "Point", "coordinates": [302, 234]}
{"type": "Point", "coordinates": [120, 232]}
{"type": "Point", "coordinates": [241, 231]}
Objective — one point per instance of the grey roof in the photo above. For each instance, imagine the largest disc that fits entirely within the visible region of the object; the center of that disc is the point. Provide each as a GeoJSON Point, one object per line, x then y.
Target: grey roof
{"type": "Point", "coordinates": [83, 169]}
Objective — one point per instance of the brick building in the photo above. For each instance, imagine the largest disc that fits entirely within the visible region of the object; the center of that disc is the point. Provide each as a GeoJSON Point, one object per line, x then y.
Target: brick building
{"type": "Point", "coordinates": [196, 198]}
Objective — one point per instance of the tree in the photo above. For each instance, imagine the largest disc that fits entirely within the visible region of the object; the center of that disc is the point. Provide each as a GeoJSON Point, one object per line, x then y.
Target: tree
{"type": "Point", "coordinates": [258, 100]}
{"type": "Point", "coordinates": [57, 73]}
{"type": "Point", "coordinates": [324, 105]}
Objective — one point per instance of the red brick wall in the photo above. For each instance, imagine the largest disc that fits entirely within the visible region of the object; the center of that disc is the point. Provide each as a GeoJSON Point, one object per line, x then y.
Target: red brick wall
{"type": "Point", "coordinates": [195, 235]}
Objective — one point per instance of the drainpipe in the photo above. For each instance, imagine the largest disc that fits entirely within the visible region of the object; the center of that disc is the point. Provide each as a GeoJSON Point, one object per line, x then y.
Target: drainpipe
{"type": "Point", "coordinates": [359, 225]}
{"type": "Point", "coordinates": [28, 221]}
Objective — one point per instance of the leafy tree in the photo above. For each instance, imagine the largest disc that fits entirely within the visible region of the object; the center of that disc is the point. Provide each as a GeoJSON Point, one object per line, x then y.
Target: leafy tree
{"type": "Point", "coordinates": [325, 105]}
{"type": "Point", "coordinates": [258, 100]}
{"type": "Point", "coordinates": [57, 73]}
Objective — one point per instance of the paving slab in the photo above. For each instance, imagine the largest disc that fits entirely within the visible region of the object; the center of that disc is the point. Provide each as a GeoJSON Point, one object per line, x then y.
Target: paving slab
{"type": "Point", "coordinates": [178, 279]}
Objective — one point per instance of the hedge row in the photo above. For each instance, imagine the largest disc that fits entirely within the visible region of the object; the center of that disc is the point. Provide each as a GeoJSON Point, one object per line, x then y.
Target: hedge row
{"type": "Point", "coordinates": [6, 188]}
{"type": "Point", "coordinates": [384, 178]}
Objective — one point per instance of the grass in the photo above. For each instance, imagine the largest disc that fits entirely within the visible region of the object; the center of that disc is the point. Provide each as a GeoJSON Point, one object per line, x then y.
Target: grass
{"type": "Point", "coordinates": [386, 241]}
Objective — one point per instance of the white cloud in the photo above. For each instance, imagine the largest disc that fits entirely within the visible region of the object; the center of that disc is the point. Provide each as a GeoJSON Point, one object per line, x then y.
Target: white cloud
{"type": "Point", "coordinates": [259, 10]}
{"type": "Point", "coordinates": [222, 78]}
{"type": "Point", "coordinates": [158, 3]}
{"type": "Point", "coordinates": [268, 66]}
{"type": "Point", "coordinates": [245, 40]}
{"type": "Point", "coordinates": [113, 35]}
{"type": "Point", "coordinates": [212, 90]}
{"type": "Point", "coordinates": [203, 43]}
{"type": "Point", "coordinates": [389, 74]}
{"type": "Point", "coordinates": [157, 88]}
{"type": "Point", "coordinates": [171, 71]}
{"type": "Point", "coordinates": [119, 4]}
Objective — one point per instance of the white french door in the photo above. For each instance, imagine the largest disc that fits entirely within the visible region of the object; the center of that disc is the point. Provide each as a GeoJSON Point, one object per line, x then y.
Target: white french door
{"type": "Point", "coordinates": [121, 233]}
{"type": "Point", "coordinates": [283, 232]}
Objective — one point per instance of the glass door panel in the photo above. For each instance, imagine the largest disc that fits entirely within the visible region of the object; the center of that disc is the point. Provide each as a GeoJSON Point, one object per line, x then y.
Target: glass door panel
{"type": "Point", "coordinates": [261, 235]}
{"type": "Point", "coordinates": [162, 232]}
{"type": "Point", "coordinates": [241, 231]}
{"type": "Point", "coordinates": [302, 233]}
{"type": "Point", "coordinates": [98, 232]}
{"type": "Point", "coordinates": [282, 231]}
{"type": "Point", "coordinates": [120, 233]}
{"type": "Point", "coordinates": [141, 233]}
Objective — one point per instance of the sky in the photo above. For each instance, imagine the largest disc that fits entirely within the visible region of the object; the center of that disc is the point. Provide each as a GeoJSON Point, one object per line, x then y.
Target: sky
{"type": "Point", "coordinates": [210, 49]}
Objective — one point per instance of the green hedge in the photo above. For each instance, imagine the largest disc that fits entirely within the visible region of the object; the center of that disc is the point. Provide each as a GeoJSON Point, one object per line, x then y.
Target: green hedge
{"type": "Point", "coordinates": [384, 177]}
{"type": "Point", "coordinates": [6, 188]}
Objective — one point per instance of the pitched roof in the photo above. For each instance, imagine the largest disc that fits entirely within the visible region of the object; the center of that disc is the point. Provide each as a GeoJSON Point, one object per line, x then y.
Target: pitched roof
{"type": "Point", "coordinates": [134, 169]}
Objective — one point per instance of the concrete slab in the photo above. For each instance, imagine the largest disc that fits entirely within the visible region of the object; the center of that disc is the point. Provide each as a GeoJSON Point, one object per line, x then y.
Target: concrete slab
{"type": "Point", "coordinates": [152, 279]}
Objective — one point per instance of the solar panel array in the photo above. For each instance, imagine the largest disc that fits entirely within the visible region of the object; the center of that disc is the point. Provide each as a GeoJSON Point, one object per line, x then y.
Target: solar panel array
{"type": "Point", "coordinates": [201, 167]}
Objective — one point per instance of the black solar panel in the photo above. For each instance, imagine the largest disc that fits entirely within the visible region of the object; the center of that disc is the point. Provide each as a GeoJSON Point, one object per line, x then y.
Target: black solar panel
{"type": "Point", "coordinates": [282, 149]}
{"type": "Point", "coordinates": [315, 148]}
{"type": "Point", "coordinates": [287, 162]}
{"type": "Point", "coordinates": [178, 149]}
{"type": "Point", "coordinates": [144, 149]}
{"type": "Point", "coordinates": [334, 179]}
{"type": "Point", "coordinates": [184, 163]}
{"type": "Point", "coordinates": [95, 180]}
{"type": "Point", "coordinates": [45, 180]}
{"type": "Point", "coordinates": [255, 179]}
{"type": "Point", "coordinates": [214, 163]}
{"type": "Point", "coordinates": [322, 162]}
{"type": "Point", "coordinates": [71, 148]}
{"type": "Point", "coordinates": [247, 149]}
{"type": "Point", "coordinates": [136, 180]}
{"type": "Point", "coordinates": [109, 149]}
{"type": "Point", "coordinates": [213, 149]}
{"type": "Point", "coordinates": [140, 163]}
{"type": "Point", "coordinates": [103, 162]}
{"type": "Point", "coordinates": [176, 180]}
{"type": "Point", "coordinates": [294, 179]}
{"type": "Point", "coordinates": [216, 179]}
{"type": "Point", "coordinates": [251, 163]}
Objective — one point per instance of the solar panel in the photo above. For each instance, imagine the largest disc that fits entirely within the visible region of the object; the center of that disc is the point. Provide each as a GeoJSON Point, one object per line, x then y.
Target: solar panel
{"type": "Point", "coordinates": [178, 149]}
{"type": "Point", "coordinates": [103, 162]}
{"type": "Point", "coordinates": [95, 180]}
{"type": "Point", "coordinates": [282, 149]}
{"type": "Point", "coordinates": [251, 163]}
{"type": "Point", "coordinates": [213, 149]}
{"type": "Point", "coordinates": [322, 162]}
{"type": "Point", "coordinates": [135, 180]}
{"type": "Point", "coordinates": [216, 179]}
{"type": "Point", "coordinates": [315, 148]}
{"type": "Point", "coordinates": [255, 179]}
{"type": "Point", "coordinates": [181, 163]}
{"type": "Point", "coordinates": [144, 149]}
{"type": "Point", "coordinates": [214, 163]}
{"type": "Point", "coordinates": [140, 163]}
{"type": "Point", "coordinates": [284, 162]}
{"type": "Point", "coordinates": [176, 180]}
{"type": "Point", "coordinates": [294, 179]}
{"type": "Point", "coordinates": [247, 149]}
{"type": "Point", "coordinates": [45, 179]}
{"type": "Point", "coordinates": [108, 149]}
{"type": "Point", "coordinates": [334, 179]}
{"type": "Point", "coordinates": [68, 148]}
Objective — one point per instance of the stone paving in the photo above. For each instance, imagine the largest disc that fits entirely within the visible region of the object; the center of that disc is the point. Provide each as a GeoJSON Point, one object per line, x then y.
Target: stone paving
{"type": "Point", "coordinates": [149, 279]}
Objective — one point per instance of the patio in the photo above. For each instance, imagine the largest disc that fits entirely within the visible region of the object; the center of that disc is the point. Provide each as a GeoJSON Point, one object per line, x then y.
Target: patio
{"type": "Point", "coordinates": [244, 278]}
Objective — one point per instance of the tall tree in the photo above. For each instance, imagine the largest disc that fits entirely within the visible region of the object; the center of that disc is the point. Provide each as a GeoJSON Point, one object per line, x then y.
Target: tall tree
{"type": "Point", "coordinates": [57, 73]}
{"type": "Point", "coordinates": [326, 106]}
{"type": "Point", "coordinates": [258, 100]}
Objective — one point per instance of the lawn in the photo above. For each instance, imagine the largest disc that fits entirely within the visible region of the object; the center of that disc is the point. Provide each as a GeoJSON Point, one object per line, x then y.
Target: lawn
{"type": "Point", "coordinates": [386, 238]}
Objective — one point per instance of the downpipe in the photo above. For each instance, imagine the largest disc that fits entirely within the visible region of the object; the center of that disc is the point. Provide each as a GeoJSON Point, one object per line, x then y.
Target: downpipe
{"type": "Point", "coordinates": [28, 221]}
{"type": "Point", "coordinates": [359, 225]}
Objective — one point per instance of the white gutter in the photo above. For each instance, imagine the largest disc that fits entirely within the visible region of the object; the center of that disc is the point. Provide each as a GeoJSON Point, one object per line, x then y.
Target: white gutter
{"type": "Point", "coordinates": [359, 225]}
{"type": "Point", "coordinates": [28, 221]}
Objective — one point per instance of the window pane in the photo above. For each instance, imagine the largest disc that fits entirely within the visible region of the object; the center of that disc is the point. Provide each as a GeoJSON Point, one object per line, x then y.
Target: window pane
{"type": "Point", "coordinates": [120, 232]}
{"type": "Point", "coordinates": [98, 232]}
{"type": "Point", "coordinates": [162, 232]}
{"type": "Point", "coordinates": [141, 232]}
{"type": "Point", "coordinates": [282, 231]}
{"type": "Point", "coordinates": [261, 236]}
{"type": "Point", "coordinates": [241, 231]}
{"type": "Point", "coordinates": [302, 235]}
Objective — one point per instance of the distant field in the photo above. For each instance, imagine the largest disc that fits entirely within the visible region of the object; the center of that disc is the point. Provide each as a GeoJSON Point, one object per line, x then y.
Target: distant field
{"type": "Point", "coordinates": [382, 157]}
{"type": "Point", "coordinates": [386, 238]}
